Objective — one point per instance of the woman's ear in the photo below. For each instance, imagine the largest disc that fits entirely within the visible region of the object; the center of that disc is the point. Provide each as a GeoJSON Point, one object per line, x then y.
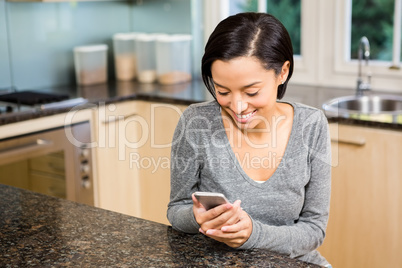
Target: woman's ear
{"type": "Point", "coordinates": [285, 71]}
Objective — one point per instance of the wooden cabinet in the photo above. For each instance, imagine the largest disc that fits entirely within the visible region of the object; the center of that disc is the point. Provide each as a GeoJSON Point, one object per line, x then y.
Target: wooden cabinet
{"type": "Point", "coordinates": [153, 160]}
{"type": "Point", "coordinates": [117, 182]}
{"type": "Point", "coordinates": [365, 224]}
{"type": "Point", "coordinates": [15, 174]}
{"type": "Point", "coordinates": [133, 155]}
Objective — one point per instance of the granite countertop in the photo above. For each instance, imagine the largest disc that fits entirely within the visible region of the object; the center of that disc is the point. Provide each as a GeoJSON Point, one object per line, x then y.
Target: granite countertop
{"type": "Point", "coordinates": [38, 230]}
{"type": "Point", "coordinates": [185, 93]}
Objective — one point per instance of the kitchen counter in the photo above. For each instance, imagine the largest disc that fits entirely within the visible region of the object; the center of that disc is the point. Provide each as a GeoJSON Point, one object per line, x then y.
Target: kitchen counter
{"type": "Point", "coordinates": [38, 230]}
{"type": "Point", "coordinates": [114, 91]}
{"type": "Point", "coordinates": [186, 93]}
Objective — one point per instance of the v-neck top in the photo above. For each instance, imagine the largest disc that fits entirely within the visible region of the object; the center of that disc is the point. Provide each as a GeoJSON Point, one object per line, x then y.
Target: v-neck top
{"type": "Point", "coordinates": [236, 161]}
{"type": "Point", "coordinates": [289, 211]}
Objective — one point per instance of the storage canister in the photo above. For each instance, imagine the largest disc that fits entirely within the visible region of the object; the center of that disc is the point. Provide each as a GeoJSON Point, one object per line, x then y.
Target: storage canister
{"type": "Point", "coordinates": [90, 64]}
{"type": "Point", "coordinates": [173, 59]}
{"type": "Point", "coordinates": [146, 58]}
{"type": "Point", "coordinates": [124, 56]}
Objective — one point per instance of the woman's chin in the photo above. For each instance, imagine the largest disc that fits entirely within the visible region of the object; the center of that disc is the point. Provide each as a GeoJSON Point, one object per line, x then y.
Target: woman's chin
{"type": "Point", "coordinates": [246, 125]}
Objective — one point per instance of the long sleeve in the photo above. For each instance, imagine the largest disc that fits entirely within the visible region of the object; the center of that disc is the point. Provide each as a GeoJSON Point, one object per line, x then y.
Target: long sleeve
{"type": "Point", "coordinates": [185, 167]}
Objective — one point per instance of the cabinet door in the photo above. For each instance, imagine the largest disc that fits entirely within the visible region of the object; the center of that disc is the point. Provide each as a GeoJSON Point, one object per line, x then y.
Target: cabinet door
{"type": "Point", "coordinates": [47, 183]}
{"type": "Point", "coordinates": [153, 160]}
{"type": "Point", "coordinates": [15, 174]}
{"type": "Point", "coordinates": [117, 135]}
{"type": "Point", "coordinates": [364, 228]}
{"type": "Point", "coordinates": [133, 153]}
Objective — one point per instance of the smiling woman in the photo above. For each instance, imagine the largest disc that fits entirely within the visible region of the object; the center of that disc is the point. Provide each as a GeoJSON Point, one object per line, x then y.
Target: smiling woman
{"type": "Point", "coordinates": [247, 91]}
{"type": "Point", "coordinates": [274, 156]}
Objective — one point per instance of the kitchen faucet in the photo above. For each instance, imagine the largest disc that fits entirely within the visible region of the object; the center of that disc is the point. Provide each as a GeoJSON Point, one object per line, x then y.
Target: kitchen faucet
{"type": "Point", "coordinates": [364, 51]}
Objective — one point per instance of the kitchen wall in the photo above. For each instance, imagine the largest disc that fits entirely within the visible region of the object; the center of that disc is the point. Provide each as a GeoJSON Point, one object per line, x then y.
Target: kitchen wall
{"type": "Point", "coordinates": [37, 39]}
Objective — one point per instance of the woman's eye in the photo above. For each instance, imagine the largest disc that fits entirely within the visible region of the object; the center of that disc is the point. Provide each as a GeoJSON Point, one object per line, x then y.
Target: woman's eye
{"type": "Point", "coordinates": [252, 94]}
{"type": "Point", "coordinates": [223, 93]}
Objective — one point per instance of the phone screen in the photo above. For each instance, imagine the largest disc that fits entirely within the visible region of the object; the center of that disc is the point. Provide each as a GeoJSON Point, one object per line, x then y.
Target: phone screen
{"type": "Point", "coordinates": [210, 200]}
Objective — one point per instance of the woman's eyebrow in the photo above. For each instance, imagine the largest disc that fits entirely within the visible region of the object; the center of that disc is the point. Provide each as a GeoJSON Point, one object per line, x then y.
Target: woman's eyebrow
{"type": "Point", "coordinates": [244, 87]}
{"type": "Point", "coordinates": [220, 85]}
{"type": "Point", "coordinates": [252, 84]}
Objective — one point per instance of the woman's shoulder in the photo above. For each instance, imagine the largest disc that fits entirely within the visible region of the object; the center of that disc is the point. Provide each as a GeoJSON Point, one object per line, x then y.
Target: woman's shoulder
{"type": "Point", "coordinates": [205, 105]}
{"type": "Point", "coordinates": [307, 113]}
{"type": "Point", "coordinates": [304, 108]}
{"type": "Point", "coordinates": [207, 108]}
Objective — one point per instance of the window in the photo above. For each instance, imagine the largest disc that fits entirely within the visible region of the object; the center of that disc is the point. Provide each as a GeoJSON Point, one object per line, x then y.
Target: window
{"type": "Point", "coordinates": [287, 11]}
{"type": "Point", "coordinates": [325, 36]}
{"type": "Point", "coordinates": [237, 6]}
{"type": "Point", "coordinates": [380, 22]}
{"type": "Point", "coordinates": [299, 17]}
{"type": "Point", "coordinates": [371, 19]}
{"type": "Point", "coordinates": [374, 20]}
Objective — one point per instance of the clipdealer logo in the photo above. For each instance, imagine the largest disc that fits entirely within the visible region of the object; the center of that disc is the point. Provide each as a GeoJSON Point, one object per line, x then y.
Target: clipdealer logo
{"type": "Point", "coordinates": [126, 132]}
{"type": "Point", "coordinates": [131, 132]}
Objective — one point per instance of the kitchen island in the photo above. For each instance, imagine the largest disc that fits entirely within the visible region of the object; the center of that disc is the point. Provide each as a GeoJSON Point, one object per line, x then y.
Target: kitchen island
{"type": "Point", "coordinates": [38, 230]}
{"type": "Point", "coordinates": [363, 151]}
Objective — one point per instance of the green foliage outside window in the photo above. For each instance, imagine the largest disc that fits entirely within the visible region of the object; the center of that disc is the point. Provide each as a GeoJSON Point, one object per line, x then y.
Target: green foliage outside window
{"type": "Point", "coordinates": [248, 6]}
{"type": "Point", "coordinates": [370, 18]}
{"type": "Point", "coordinates": [373, 19]}
{"type": "Point", "coordinates": [287, 11]}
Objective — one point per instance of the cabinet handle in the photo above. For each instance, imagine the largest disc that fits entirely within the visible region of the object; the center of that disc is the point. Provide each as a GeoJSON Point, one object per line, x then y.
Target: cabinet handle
{"type": "Point", "coordinates": [25, 148]}
{"type": "Point", "coordinates": [118, 118]}
{"type": "Point", "coordinates": [358, 141]}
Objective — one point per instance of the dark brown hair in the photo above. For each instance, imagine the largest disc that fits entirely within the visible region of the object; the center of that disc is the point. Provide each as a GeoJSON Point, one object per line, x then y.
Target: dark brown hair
{"type": "Point", "coordinates": [258, 35]}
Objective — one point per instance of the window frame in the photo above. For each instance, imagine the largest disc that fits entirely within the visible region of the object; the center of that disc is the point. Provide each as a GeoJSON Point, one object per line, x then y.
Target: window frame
{"type": "Point", "coordinates": [383, 78]}
{"type": "Point", "coordinates": [324, 60]}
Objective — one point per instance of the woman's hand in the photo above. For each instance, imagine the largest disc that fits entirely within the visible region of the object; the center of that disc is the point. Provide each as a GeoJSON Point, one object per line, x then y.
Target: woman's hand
{"type": "Point", "coordinates": [233, 235]}
{"type": "Point", "coordinates": [226, 223]}
{"type": "Point", "coordinates": [217, 217]}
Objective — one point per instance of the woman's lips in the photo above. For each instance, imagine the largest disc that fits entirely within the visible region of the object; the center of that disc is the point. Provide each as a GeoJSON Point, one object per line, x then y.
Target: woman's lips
{"type": "Point", "coordinates": [243, 118]}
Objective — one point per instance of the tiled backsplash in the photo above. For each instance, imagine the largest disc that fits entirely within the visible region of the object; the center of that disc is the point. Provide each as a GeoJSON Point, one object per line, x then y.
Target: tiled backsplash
{"type": "Point", "coordinates": [37, 39]}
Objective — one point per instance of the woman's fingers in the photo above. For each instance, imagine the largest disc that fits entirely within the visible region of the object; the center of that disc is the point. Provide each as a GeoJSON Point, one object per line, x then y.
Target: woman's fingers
{"type": "Point", "coordinates": [240, 225]}
{"type": "Point", "coordinates": [235, 239]}
{"type": "Point", "coordinates": [195, 201]}
{"type": "Point", "coordinates": [222, 215]}
{"type": "Point", "coordinates": [198, 210]}
{"type": "Point", "coordinates": [216, 217]}
{"type": "Point", "coordinates": [212, 217]}
{"type": "Point", "coordinates": [233, 235]}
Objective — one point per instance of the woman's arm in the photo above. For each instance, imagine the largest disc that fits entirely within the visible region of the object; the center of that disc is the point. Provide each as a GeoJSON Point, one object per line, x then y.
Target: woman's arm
{"type": "Point", "coordinates": [184, 175]}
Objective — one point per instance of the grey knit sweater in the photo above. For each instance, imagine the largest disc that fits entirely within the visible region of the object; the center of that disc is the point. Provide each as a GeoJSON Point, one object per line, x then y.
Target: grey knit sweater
{"type": "Point", "coordinates": [289, 211]}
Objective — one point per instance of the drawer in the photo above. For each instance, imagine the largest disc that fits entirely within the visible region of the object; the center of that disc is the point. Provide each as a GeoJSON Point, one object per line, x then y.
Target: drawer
{"type": "Point", "coordinates": [53, 185]}
{"type": "Point", "coordinates": [51, 163]}
{"type": "Point", "coordinates": [15, 174]}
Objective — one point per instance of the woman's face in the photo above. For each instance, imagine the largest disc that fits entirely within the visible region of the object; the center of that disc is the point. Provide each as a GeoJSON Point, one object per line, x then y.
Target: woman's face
{"type": "Point", "coordinates": [246, 90]}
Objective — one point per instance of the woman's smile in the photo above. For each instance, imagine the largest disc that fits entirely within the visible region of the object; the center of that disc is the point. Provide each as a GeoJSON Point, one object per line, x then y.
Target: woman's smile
{"type": "Point", "coordinates": [244, 117]}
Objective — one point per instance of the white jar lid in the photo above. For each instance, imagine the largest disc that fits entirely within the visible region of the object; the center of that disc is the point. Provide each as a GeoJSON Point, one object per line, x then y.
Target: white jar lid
{"type": "Point", "coordinates": [91, 48]}
{"type": "Point", "coordinates": [126, 36]}
{"type": "Point", "coordinates": [175, 38]}
{"type": "Point", "coordinates": [149, 37]}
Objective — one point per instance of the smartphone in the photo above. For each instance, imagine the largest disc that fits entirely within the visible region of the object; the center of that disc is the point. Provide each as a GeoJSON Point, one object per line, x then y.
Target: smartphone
{"type": "Point", "coordinates": [210, 200]}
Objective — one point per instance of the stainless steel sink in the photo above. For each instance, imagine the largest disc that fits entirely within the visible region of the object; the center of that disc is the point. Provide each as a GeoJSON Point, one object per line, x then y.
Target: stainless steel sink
{"type": "Point", "coordinates": [382, 108]}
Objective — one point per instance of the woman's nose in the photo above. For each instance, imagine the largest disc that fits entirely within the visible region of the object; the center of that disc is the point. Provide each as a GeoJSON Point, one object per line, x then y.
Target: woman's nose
{"type": "Point", "coordinates": [239, 106]}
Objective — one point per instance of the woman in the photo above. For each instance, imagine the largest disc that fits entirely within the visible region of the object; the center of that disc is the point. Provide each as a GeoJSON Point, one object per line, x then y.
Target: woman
{"type": "Point", "coordinates": [273, 156]}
